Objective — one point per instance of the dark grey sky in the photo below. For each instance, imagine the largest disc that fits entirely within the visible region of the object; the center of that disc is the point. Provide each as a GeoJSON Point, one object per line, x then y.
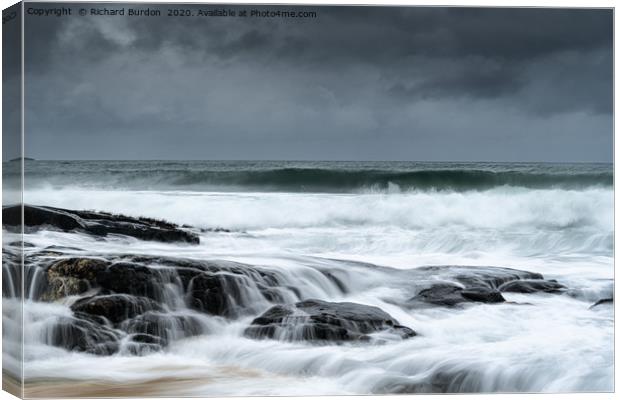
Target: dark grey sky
{"type": "Point", "coordinates": [363, 83]}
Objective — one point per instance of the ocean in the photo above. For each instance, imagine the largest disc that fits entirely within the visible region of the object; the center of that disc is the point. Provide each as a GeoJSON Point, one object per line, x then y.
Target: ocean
{"type": "Point", "coordinates": [374, 225]}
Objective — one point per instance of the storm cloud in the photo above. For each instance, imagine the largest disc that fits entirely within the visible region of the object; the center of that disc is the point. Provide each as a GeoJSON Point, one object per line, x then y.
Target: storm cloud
{"type": "Point", "coordinates": [367, 83]}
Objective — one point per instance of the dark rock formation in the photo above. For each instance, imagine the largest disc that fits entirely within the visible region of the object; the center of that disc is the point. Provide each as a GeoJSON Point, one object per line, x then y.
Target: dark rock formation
{"type": "Point", "coordinates": [163, 327]}
{"type": "Point", "coordinates": [72, 276]}
{"type": "Point", "coordinates": [228, 289]}
{"type": "Point", "coordinates": [115, 307]}
{"type": "Point", "coordinates": [82, 334]}
{"type": "Point", "coordinates": [77, 275]}
{"type": "Point", "coordinates": [218, 288]}
{"type": "Point", "coordinates": [316, 320]}
{"type": "Point", "coordinates": [217, 294]}
{"type": "Point", "coordinates": [441, 294]}
{"type": "Point", "coordinates": [130, 278]}
{"type": "Point", "coordinates": [459, 285]}
{"type": "Point", "coordinates": [482, 295]}
{"type": "Point", "coordinates": [138, 304]}
{"type": "Point", "coordinates": [97, 223]}
{"type": "Point", "coordinates": [21, 159]}
{"type": "Point", "coordinates": [449, 294]}
{"type": "Point", "coordinates": [532, 286]}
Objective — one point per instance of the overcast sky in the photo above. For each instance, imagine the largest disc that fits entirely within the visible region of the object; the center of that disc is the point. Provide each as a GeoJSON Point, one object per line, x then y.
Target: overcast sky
{"type": "Point", "coordinates": [354, 83]}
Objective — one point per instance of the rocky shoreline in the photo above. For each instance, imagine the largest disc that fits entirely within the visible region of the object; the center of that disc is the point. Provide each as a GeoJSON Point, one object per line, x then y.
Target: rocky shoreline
{"type": "Point", "coordinates": [95, 223]}
{"type": "Point", "coordinates": [138, 304]}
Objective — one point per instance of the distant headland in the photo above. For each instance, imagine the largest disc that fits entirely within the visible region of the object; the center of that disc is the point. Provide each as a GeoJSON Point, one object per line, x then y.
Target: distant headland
{"type": "Point", "coordinates": [20, 158]}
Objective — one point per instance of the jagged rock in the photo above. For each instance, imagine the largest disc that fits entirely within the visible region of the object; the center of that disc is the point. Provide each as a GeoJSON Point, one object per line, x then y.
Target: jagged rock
{"type": "Point", "coordinates": [532, 286]}
{"type": "Point", "coordinates": [115, 307]}
{"type": "Point", "coordinates": [316, 320]}
{"type": "Point", "coordinates": [97, 223]}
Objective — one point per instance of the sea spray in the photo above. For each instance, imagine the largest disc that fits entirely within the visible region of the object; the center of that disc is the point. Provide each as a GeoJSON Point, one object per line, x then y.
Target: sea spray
{"type": "Point", "coordinates": [355, 238]}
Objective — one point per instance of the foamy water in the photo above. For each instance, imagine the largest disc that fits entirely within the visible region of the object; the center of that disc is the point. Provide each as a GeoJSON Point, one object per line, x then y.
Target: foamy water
{"type": "Point", "coordinates": [557, 343]}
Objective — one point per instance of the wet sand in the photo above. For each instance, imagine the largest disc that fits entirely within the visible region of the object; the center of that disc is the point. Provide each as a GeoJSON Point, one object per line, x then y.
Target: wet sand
{"type": "Point", "coordinates": [70, 388]}
{"type": "Point", "coordinates": [11, 384]}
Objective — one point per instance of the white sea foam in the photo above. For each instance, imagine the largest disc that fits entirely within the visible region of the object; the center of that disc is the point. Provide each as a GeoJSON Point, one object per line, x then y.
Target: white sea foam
{"type": "Point", "coordinates": [556, 344]}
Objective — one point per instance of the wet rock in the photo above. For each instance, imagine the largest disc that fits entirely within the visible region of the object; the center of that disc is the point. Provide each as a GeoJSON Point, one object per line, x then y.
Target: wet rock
{"type": "Point", "coordinates": [217, 294]}
{"type": "Point", "coordinates": [455, 285]}
{"type": "Point", "coordinates": [116, 307]}
{"type": "Point", "coordinates": [601, 302]}
{"type": "Point", "coordinates": [316, 320]}
{"type": "Point", "coordinates": [141, 349]}
{"type": "Point", "coordinates": [336, 281]}
{"type": "Point", "coordinates": [11, 273]}
{"type": "Point", "coordinates": [482, 295]}
{"type": "Point", "coordinates": [96, 223]}
{"type": "Point", "coordinates": [77, 275]}
{"type": "Point", "coordinates": [143, 344]}
{"type": "Point", "coordinates": [18, 243]}
{"type": "Point", "coordinates": [72, 276]}
{"type": "Point", "coordinates": [494, 278]}
{"type": "Point", "coordinates": [533, 286]}
{"type": "Point", "coordinates": [164, 327]}
{"type": "Point", "coordinates": [474, 276]}
{"type": "Point", "coordinates": [213, 230]}
{"type": "Point", "coordinates": [449, 295]}
{"type": "Point", "coordinates": [230, 294]}
{"type": "Point", "coordinates": [130, 278]}
{"type": "Point", "coordinates": [62, 248]}
{"type": "Point", "coordinates": [441, 294]}
{"type": "Point", "coordinates": [83, 335]}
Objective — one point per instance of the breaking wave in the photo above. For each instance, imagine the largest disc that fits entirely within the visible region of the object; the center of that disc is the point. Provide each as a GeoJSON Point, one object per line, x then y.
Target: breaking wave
{"type": "Point", "coordinates": [315, 177]}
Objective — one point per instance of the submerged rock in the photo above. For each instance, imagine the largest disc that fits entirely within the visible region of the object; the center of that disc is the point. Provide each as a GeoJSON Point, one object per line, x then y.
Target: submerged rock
{"type": "Point", "coordinates": [218, 294]}
{"type": "Point", "coordinates": [492, 277]}
{"type": "Point", "coordinates": [115, 307]}
{"type": "Point", "coordinates": [82, 334]}
{"type": "Point", "coordinates": [163, 327]}
{"type": "Point", "coordinates": [316, 320]}
{"type": "Point", "coordinates": [482, 295]}
{"type": "Point", "coordinates": [533, 286]}
{"type": "Point", "coordinates": [607, 301]}
{"type": "Point", "coordinates": [136, 304]}
{"type": "Point", "coordinates": [96, 223]}
{"type": "Point", "coordinates": [143, 344]}
{"type": "Point", "coordinates": [460, 285]}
